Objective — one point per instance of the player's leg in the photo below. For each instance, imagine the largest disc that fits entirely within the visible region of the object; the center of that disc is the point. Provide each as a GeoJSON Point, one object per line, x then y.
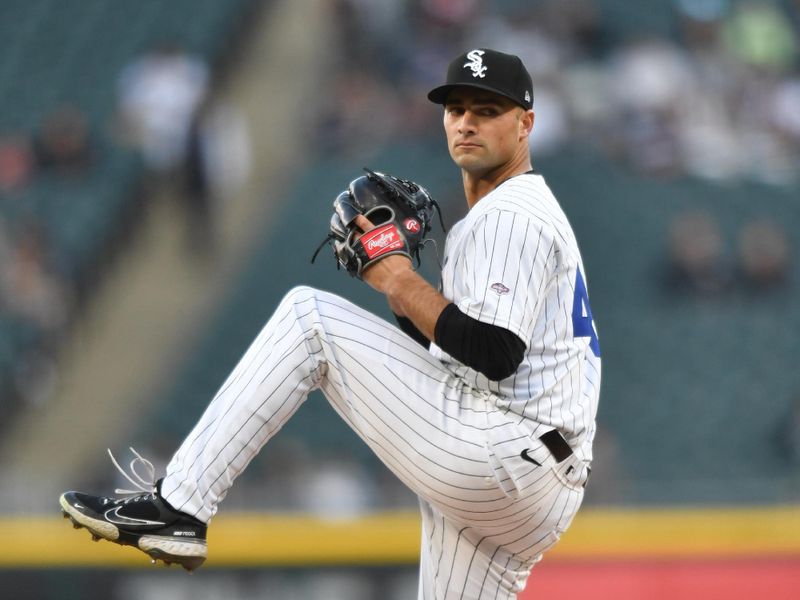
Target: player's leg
{"type": "Point", "coordinates": [423, 423]}
{"type": "Point", "coordinates": [484, 527]}
{"type": "Point", "coordinates": [458, 561]}
{"type": "Point", "coordinates": [413, 413]}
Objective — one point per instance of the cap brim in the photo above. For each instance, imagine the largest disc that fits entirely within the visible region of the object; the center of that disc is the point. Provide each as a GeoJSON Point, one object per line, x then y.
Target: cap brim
{"type": "Point", "coordinates": [439, 94]}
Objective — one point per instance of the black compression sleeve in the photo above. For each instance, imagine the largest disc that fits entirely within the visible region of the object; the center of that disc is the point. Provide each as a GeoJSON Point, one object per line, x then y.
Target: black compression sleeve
{"type": "Point", "coordinates": [489, 349]}
{"type": "Point", "coordinates": [411, 330]}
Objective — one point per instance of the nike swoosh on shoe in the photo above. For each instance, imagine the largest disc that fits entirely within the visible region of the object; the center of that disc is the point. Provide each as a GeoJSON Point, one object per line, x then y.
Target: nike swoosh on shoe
{"type": "Point", "coordinates": [113, 513]}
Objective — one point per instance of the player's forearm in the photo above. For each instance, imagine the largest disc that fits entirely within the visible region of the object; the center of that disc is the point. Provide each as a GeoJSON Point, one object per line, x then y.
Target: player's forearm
{"type": "Point", "coordinates": [411, 296]}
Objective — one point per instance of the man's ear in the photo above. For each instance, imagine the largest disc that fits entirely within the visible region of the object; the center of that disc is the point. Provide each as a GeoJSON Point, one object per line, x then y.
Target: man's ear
{"type": "Point", "coordinates": [526, 120]}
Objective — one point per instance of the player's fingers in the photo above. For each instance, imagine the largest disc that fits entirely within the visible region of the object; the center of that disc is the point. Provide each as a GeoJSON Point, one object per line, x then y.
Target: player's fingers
{"type": "Point", "coordinates": [363, 223]}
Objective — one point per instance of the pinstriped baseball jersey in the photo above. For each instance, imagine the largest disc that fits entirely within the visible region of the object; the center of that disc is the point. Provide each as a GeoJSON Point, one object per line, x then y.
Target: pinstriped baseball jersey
{"type": "Point", "coordinates": [493, 495]}
{"type": "Point", "coordinates": [513, 261]}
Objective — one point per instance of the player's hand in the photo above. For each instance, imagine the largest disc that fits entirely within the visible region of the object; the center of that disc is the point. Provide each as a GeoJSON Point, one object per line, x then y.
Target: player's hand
{"type": "Point", "coordinates": [386, 272]}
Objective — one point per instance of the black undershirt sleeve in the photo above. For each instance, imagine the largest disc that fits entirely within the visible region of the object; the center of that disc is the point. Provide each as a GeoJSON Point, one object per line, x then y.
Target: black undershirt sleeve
{"type": "Point", "coordinates": [411, 330]}
{"type": "Point", "coordinates": [494, 351]}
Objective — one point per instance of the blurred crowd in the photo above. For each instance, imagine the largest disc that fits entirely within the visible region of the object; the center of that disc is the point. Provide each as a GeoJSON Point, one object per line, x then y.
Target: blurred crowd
{"type": "Point", "coordinates": [714, 94]}
{"type": "Point", "coordinates": [188, 142]}
{"type": "Point", "coordinates": [62, 148]}
{"type": "Point", "coordinates": [700, 263]}
{"type": "Point", "coordinates": [61, 145]}
{"type": "Point", "coordinates": [37, 299]}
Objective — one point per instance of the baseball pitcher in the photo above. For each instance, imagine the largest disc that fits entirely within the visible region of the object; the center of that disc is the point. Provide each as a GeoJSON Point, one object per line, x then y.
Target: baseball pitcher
{"type": "Point", "coordinates": [483, 401]}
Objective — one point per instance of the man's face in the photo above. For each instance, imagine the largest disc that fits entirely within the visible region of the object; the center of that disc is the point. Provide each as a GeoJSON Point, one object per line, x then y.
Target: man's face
{"type": "Point", "coordinates": [484, 130]}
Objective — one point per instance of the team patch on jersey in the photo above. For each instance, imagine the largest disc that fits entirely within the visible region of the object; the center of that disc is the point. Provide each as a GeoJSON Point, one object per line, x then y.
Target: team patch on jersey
{"type": "Point", "coordinates": [499, 289]}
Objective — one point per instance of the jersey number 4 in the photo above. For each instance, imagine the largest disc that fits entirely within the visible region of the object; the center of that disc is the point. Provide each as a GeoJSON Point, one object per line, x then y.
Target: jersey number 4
{"type": "Point", "coordinates": [582, 321]}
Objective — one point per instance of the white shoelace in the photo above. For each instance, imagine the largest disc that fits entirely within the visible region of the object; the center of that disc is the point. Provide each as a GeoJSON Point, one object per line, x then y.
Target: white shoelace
{"type": "Point", "coordinates": [142, 485]}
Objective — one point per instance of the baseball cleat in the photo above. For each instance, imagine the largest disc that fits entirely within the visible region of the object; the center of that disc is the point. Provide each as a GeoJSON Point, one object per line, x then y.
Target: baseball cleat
{"type": "Point", "coordinates": [143, 520]}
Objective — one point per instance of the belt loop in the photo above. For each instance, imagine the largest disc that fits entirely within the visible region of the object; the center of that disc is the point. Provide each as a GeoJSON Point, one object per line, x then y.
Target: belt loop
{"type": "Point", "coordinates": [557, 445]}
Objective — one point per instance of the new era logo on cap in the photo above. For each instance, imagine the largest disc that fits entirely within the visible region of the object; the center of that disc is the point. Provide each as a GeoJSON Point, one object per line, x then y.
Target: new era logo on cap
{"type": "Point", "coordinates": [490, 70]}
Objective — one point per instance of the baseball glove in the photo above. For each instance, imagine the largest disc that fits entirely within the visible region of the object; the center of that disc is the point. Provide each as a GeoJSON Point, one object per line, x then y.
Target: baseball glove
{"type": "Point", "coordinates": [401, 211]}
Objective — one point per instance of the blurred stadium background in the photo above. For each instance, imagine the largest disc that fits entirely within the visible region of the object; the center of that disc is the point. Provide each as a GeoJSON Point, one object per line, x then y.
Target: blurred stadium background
{"type": "Point", "coordinates": [167, 168]}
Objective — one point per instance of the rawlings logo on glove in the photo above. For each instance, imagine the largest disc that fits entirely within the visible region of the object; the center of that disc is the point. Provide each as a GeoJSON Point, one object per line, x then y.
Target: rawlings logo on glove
{"type": "Point", "coordinates": [381, 240]}
{"type": "Point", "coordinates": [401, 211]}
{"type": "Point", "coordinates": [411, 225]}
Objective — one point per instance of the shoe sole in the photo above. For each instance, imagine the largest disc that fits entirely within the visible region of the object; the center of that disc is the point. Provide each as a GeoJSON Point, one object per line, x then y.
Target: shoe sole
{"type": "Point", "coordinates": [190, 555]}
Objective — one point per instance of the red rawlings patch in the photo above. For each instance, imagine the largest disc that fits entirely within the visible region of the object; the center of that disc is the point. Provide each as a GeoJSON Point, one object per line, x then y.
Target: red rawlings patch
{"type": "Point", "coordinates": [381, 240]}
{"type": "Point", "coordinates": [411, 225]}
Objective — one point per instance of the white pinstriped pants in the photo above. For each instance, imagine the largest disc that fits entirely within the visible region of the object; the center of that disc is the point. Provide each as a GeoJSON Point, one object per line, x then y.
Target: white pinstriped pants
{"type": "Point", "coordinates": [487, 515]}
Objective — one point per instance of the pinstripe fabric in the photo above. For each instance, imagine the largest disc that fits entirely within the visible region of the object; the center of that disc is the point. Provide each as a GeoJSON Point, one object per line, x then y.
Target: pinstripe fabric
{"type": "Point", "coordinates": [512, 261]}
{"type": "Point", "coordinates": [449, 434]}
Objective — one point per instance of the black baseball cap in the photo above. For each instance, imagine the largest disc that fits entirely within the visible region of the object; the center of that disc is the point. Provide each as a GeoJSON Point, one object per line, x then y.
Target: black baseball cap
{"type": "Point", "coordinates": [490, 70]}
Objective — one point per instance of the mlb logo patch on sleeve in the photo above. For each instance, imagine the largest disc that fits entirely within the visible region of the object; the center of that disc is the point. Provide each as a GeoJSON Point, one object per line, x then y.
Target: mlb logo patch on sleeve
{"type": "Point", "coordinates": [499, 289]}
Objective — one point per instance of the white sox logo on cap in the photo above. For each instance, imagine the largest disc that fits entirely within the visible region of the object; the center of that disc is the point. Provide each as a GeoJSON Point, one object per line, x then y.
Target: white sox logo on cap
{"type": "Point", "coordinates": [476, 63]}
{"type": "Point", "coordinates": [490, 70]}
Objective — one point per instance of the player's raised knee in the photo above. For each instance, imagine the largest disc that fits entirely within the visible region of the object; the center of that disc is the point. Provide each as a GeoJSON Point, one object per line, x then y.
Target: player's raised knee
{"type": "Point", "coordinates": [300, 293]}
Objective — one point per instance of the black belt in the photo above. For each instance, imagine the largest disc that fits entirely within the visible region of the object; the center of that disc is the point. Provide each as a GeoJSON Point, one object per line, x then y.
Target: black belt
{"type": "Point", "coordinates": [557, 445]}
{"type": "Point", "coordinates": [559, 448]}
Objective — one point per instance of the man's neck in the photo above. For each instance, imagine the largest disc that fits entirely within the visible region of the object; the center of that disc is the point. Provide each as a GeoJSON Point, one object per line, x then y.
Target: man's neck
{"type": "Point", "coordinates": [478, 185]}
